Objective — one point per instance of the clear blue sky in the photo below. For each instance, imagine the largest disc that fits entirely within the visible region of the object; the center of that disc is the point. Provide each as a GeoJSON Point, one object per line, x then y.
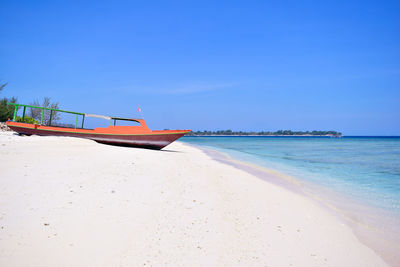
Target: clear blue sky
{"type": "Point", "coordinates": [240, 65]}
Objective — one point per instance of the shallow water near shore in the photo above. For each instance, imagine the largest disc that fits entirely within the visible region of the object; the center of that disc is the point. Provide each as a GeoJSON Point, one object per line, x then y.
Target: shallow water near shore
{"type": "Point", "coordinates": [358, 177]}
{"type": "Point", "coordinates": [367, 169]}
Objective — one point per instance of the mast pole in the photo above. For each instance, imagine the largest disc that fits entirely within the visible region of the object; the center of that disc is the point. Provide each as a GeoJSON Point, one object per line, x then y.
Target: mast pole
{"type": "Point", "coordinates": [140, 111]}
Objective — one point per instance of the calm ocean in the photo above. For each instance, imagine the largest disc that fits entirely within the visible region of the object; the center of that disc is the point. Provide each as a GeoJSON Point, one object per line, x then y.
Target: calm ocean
{"type": "Point", "coordinates": [366, 169]}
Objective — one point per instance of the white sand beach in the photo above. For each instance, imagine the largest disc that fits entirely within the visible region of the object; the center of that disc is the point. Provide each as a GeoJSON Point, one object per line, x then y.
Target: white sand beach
{"type": "Point", "coordinates": [73, 202]}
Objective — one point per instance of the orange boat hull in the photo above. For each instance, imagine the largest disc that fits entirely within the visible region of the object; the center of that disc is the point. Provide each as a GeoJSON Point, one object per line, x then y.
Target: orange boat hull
{"type": "Point", "coordinates": [135, 136]}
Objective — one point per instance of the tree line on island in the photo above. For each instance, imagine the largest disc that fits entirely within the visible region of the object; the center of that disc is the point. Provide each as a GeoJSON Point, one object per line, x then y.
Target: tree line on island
{"type": "Point", "coordinates": [265, 133]}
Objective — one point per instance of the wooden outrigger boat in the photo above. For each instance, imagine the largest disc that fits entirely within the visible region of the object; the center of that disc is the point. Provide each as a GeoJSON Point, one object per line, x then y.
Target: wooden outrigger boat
{"type": "Point", "coordinates": [135, 136]}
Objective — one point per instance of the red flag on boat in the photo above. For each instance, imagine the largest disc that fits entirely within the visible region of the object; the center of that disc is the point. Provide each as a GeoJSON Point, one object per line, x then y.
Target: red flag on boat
{"type": "Point", "coordinates": [139, 109]}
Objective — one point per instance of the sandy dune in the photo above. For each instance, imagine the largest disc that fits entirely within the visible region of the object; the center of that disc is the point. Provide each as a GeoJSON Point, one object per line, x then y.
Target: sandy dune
{"type": "Point", "coordinates": [73, 202]}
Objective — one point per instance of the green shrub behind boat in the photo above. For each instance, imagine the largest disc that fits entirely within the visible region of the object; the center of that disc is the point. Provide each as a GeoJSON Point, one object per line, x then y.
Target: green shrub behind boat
{"type": "Point", "coordinates": [27, 120]}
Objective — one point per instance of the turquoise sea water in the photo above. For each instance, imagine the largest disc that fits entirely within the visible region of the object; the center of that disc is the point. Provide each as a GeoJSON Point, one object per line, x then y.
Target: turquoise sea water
{"type": "Point", "coordinates": [366, 169]}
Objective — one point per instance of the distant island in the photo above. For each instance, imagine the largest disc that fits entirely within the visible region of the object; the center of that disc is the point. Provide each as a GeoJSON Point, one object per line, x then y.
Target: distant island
{"type": "Point", "coordinates": [263, 133]}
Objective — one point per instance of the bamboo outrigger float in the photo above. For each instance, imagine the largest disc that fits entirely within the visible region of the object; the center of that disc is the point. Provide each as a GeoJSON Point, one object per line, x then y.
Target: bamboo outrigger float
{"type": "Point", "coordinates": [135, 136]}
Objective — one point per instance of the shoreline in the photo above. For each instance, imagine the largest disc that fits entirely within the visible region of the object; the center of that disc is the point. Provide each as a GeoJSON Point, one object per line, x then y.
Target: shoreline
{"type": "Point", "coordinates": [264, 135]}
{"type": "Point", "coordinates": [368, 233]}
{"type": "Point", "coordinates": [73, 202]}
{"type": "Point", "coordinates": [342, 136]}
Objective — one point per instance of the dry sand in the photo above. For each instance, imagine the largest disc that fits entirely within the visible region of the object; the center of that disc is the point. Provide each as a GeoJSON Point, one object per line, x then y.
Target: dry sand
{"type": "Point", "coordinates": [73, 202]}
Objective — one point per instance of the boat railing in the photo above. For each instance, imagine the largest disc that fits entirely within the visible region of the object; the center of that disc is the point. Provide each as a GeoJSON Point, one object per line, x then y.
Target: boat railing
{"type": "Point", "coordinates": [52, 110]}
{"type": "Point", "coordinates": [113, 120]}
